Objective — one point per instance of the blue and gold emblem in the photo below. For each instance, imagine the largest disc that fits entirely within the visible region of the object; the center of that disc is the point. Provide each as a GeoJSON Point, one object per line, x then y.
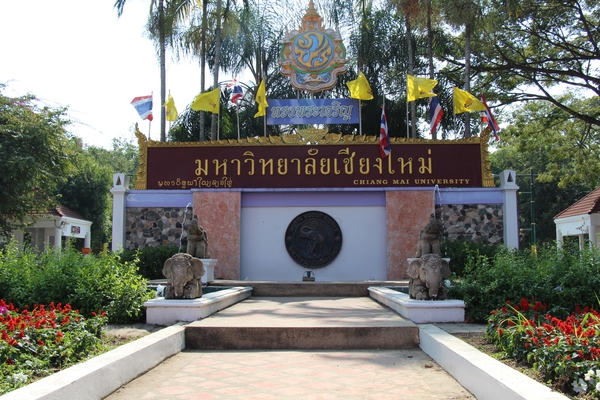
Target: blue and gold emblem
{"type": "Point", "coordinates": [312, 56]}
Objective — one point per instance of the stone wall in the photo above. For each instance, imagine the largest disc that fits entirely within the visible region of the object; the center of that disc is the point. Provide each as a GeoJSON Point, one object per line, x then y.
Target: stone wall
{"type": "Point", "coordinates": [153, 226]}
{"type": "Point", "coordinates": [480, 223]}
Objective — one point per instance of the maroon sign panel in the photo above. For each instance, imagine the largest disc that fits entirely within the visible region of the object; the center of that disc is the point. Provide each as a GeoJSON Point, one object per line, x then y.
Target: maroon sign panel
{"type": "Point", "coordinates": [320, 166]}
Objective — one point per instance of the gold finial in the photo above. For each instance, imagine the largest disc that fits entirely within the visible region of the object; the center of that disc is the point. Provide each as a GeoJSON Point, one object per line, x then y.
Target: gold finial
{"type": "Point", "coordinates": [311, 12]}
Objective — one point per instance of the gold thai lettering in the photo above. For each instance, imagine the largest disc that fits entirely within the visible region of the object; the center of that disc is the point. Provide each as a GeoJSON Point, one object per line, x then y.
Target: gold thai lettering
{"type": "Point", "coordinates": [405, 164]}
{"type": "Point", "coordinates": [379, 165]}
{"type": "Point", "coordinates": [349, 164]}
{"type": "Point", "coordinates": [423, 168]}
{"type": "Point", "coordinates": [325, 166]}
{"type": "Point", "coordinates": [266, 164]}
{"type": "Point", "coordinates": [311, 166]}
{"type": "Point", "coordinates": [282, 165]}
{"type": "Point", "coordinates": [219, 166]}
{"type": "Point", "coordinates": [390, 169]}
{"type": "Point", "coordinates": [239, 166]}
{"type": "Point", "coordinates": [198, 182]}
{"type": "Point", "coordinates": [199, 169]}
{"type": "Point", "coordinates": [364, 166]}
{"type": "Point", "coordinates": [250, 160]}
{"type": "Point", "coordinates": [298, 161]}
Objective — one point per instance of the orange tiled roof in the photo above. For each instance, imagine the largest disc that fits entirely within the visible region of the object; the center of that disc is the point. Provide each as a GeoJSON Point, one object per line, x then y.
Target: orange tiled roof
{"type": "Point", "coordinates": [590, 204]}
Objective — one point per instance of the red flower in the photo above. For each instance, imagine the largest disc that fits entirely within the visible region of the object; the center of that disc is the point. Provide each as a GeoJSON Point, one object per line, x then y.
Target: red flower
{"type": "Point", "coordinates": [41, 343]}
{"type": "Point", "coordinates": [524, 304]}
{"type": "Point", "coordinates": [9, 361]}
{"type": "Point", "coordinates": [500, 331]}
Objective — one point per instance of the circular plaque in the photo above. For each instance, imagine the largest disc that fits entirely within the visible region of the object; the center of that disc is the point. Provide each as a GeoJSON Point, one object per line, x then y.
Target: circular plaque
{"type": "Point", "coordinates": [313, 239]}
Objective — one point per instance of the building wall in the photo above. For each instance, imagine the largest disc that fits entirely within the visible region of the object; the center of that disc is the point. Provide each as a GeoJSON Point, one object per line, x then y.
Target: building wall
{"type": "Point", "coordinates": [380, 228]}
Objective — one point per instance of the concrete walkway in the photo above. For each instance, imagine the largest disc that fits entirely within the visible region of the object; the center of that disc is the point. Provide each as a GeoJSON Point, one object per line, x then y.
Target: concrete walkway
{"type": "Point", "coordinates": [361, 373]}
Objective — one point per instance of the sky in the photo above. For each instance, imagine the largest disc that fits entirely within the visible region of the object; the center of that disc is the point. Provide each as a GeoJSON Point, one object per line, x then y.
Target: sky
{"type": "Point", "coordinates": [81, 55]}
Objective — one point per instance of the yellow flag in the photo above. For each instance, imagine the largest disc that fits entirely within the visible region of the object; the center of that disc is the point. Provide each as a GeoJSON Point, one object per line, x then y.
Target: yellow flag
{"type": "Point", "coordinates": [170, 109]}
{"type": "Point", "coordinates": [261, 100]}
{"type": "Point", "coordinates": [207, 101]}
{"type": "Point", "coordinates": [418, 88]}
{"type": "Point", "coordinates": [359, 88]}
{"type": "Point", "coordinates": [466, 102]}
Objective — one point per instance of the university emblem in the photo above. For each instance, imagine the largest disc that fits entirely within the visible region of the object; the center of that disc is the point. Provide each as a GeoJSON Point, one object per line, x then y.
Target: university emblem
{"type": "Point", "coordinates": [312, 56]}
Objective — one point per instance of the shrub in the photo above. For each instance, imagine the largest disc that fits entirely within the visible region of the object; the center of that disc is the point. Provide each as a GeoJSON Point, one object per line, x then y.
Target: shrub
{"type": "Point", "coordinates": [462, 252]}
{"type": "Point", "coordinates": [561, 277]}
{"type": "Point", "coordinates": [150, 260]}
{"type": "Point", "coordinates": [88, 283]}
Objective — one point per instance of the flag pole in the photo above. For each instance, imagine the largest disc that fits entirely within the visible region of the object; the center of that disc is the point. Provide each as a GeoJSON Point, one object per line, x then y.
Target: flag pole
{"type": "Point", "coordinates": [237, 111]}
{"type": "Point", "coordinates": [359, 117]}
{"type": "Point", "coordinates": [149, 126]}
{"type": "Point", "coordinates": [407, 118]}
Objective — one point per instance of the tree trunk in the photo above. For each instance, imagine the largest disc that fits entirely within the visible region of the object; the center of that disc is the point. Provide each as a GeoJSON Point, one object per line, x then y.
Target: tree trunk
{"type": "Point", "coordinates": [163, 69]}
{"type": "Point", "coordinates": [411, 62]}
{"type": "Point", "coordinates": [430, 50]}
{"type": "Point", "coordinates": [467, 76]}
{"type": "Point", "coordinates": [213, 127]}
{"type": "Point", "coordinates": [201, 135]}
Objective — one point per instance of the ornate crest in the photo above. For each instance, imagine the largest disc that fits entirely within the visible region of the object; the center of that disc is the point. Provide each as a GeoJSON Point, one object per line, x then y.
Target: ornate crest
{"type": "Point", "coordinates": [312, 56]}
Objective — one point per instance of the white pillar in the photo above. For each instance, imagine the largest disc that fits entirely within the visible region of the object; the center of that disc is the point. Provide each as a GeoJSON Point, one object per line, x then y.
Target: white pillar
{"type": "Point", "coordinates": [57, 237]}
{"type": "Point", "coordinates": [119, 191]}
{"type": "Point", "coordinates": [593, 234]}
{"type": "Point", "coordinates": [508, 184]}
{"type": "Point", "coordinates": [559, 238]}
{"type": "Point", "coordinates": [87, 241]}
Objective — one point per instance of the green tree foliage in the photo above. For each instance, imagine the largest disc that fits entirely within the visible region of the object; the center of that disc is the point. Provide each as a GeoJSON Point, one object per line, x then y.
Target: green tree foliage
{"type": "Point", "coordinates": [561, 151]}
{"type": "Point", "coordinates": [34, 158]}
{"type": "Point", "coordinates": [530, 47]}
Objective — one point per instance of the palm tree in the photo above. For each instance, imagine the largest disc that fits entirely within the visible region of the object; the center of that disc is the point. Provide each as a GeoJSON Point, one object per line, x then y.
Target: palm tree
{"type": "Point", "coordinates": [465, 13]}
{"type": "Point", "coordinates": [119, 5]}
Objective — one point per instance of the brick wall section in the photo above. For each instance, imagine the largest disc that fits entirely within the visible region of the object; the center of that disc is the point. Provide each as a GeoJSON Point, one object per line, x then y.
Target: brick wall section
{"type": "Point", "coordinates": [153, 226]}
{"type": "Point", "coordinates": [480, 223]}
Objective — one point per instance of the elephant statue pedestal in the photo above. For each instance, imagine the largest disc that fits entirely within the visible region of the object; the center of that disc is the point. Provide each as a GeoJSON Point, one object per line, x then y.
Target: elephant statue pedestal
{"type": "Point", "coordinates": [427, 274]}
{"type": "Point", "coordinates": [183, 273]}
{"type": "Point", "coordinates": [209, 267]}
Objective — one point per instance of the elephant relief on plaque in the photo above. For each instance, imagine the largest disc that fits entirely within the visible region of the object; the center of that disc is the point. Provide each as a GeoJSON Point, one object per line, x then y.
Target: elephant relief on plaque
{"type": "Point", "coordinates": [183, 273]}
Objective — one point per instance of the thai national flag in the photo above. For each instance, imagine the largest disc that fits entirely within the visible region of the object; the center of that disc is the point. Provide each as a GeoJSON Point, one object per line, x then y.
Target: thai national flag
{"type": "Point", "coordinates": [143, 105]}
{"type": "Point", "coordinates": [490, 119]}
{"type": "Point", "coordinates": [237, 92]}
{"type": "Point", "coordinates": [384, 137]}
{"type": "Point", "coordinates": [435, 113]}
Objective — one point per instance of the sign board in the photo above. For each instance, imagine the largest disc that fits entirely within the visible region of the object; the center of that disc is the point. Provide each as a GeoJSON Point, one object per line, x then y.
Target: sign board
{"type": "Point", "coordinates": [326, 161]}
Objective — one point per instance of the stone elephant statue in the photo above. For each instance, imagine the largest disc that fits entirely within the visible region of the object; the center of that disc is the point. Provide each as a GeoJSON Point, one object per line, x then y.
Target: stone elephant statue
{"type": "Point", "coordinates": [427, 275]}
{"type": "Point", "coordinates": [183, 273]}
{"type": "Point", "coordinates": [197, 240]}
{"type": "Point", "coordinates": [429, 238]}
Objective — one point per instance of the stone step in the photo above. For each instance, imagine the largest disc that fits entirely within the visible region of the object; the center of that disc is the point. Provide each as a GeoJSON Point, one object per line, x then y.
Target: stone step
{"type": "Point", "coordinates": [324, 323]}
{"type": "Point", "coordinates": [308, 289]}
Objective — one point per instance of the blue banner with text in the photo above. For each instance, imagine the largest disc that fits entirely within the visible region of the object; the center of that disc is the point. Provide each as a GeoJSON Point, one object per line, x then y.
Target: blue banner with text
{"type": "Point", "coordinates": [312, 111]}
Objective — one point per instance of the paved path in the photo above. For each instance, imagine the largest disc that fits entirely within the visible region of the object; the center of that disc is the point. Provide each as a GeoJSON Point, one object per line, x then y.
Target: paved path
{"type": "Point", "coordinates": [299, 374]}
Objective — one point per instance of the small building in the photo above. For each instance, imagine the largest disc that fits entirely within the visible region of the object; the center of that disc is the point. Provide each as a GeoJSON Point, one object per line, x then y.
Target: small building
{"type": "Point", "coordinates": [581, 219]}
{"type": "Point", "coordinates": [55, 228]}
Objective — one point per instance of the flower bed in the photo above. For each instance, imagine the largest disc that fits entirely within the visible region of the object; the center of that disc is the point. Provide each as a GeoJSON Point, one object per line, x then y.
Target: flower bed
{"type": "Point", "coordinates": [566, 351]}
{"type": "Point", "coordinates": [36, 343]}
